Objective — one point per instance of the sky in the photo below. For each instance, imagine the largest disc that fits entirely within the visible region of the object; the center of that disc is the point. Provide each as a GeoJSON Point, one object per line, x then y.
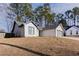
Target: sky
{"type": "Point", "coordinates": [62, 7]}
{"type": "Point", "coordinates": [59, 7]}
{"type": "Point", "coordinates": [55, 7]}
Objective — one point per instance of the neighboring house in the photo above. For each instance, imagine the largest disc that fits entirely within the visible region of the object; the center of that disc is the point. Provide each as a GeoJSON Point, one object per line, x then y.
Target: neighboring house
{"type": "Point", "coordinates": [72, 31]}
{"type": "Point", "coordinates": [2, 33]}
{"type": "Point", "coordinates": [56, 30]}
{"type": "Point", "coordinates": [25, 29]}
{"type": "Point", "coordinates": [5, 34]}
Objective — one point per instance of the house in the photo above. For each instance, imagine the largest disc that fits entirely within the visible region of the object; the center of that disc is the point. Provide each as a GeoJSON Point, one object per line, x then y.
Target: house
{"type": "Point", "coordinates": [2, 33]}
{"type": "Point", "coordinates": [56, 30]}
{"type": "Point", "coordinates": [31, 30]}
{"type": "Point", "coordinates": [72, 31]}
{"type": "Point", "coordinates": [25, 29]}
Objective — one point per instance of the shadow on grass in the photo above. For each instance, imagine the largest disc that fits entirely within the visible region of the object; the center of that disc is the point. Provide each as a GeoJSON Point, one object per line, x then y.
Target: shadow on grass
{"type": "Point", "coordinates": [26, 49]}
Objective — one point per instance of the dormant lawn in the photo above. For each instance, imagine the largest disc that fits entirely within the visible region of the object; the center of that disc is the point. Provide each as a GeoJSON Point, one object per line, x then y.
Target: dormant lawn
{"type": "Point", "coordinates": [38, 46]}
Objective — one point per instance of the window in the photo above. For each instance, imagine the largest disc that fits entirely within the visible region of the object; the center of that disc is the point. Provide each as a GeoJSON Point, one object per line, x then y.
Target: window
{"type": "Point", "coordinates": [71, 32]}
{"type": "Point", "coordinates": [76, 32]}
{"type": "Point", "coordinates": [31, 30]}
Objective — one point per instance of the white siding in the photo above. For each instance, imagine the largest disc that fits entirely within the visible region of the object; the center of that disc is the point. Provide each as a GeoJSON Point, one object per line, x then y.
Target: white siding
{"type": "Point", "coordinates": [49, 32]}
{"type": "Point", "coordinates": [59, 31]}
{"type": "Point", "coordinates": [73, 29]}
{"type": "Point", "coordinates": [26, 30]}
{"type": "Point", "coordinates": [2, 35]}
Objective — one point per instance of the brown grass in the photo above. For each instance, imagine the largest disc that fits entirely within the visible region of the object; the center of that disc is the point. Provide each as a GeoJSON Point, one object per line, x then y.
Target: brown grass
{"type": "Point", "coordinates": [43, 45]}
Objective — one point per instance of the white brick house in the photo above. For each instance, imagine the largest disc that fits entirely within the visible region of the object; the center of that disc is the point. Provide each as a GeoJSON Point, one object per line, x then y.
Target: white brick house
{"type": "Point", "coordinates": [31, 30]}
{"type": "Point", "coordinates": [25, 30]}
{"type": "Point", "coordinates": [54, 30]}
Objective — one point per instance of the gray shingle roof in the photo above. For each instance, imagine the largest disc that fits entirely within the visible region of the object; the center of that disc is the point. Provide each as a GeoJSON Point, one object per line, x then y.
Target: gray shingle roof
{"type": "Point", "coordinates": [53, 26]}
{"type": "Point", "coordinates": [19, 23]}
{"type": "Point", "coordinates": [67, 27]}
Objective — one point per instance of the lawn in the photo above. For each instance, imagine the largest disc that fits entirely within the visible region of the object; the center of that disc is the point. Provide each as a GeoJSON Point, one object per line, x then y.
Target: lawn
{"type": "Point", "coordinates": [34, 46]}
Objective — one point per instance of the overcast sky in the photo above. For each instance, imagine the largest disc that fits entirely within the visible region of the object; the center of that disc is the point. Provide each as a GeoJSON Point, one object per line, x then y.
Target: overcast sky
{"type": "Point", "coordinates": [56, 7]}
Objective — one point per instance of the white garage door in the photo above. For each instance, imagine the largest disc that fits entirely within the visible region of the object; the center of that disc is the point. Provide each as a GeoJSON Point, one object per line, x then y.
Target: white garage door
{"type": "Point", "coordinates": [59, 33]}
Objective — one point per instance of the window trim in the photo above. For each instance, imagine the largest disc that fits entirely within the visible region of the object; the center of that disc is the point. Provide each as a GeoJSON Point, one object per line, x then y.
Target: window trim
{"type": "Point", "coordinates": [70, 32]}
{"type": "Point", "coordinates": [77, 32]}
{"type": "Point", "coordinates": [32, 29]}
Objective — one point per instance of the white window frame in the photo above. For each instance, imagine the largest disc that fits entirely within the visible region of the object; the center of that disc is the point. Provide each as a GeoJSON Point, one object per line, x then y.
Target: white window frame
{"type": "Point", "coordinates": [31, 30]}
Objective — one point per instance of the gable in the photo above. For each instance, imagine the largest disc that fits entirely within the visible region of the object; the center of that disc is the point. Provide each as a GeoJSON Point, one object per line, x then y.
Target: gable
{"type": "Point", "coordinates": [73, 28]}
{"type": "Point", "coordinates": [60, 27]}
{"type": "Point", "coordinates": [31, 30]}
{"type": "Point", "coordinates": [17, 25]}
{"type": "Point", "coordinates": [30, 24]}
